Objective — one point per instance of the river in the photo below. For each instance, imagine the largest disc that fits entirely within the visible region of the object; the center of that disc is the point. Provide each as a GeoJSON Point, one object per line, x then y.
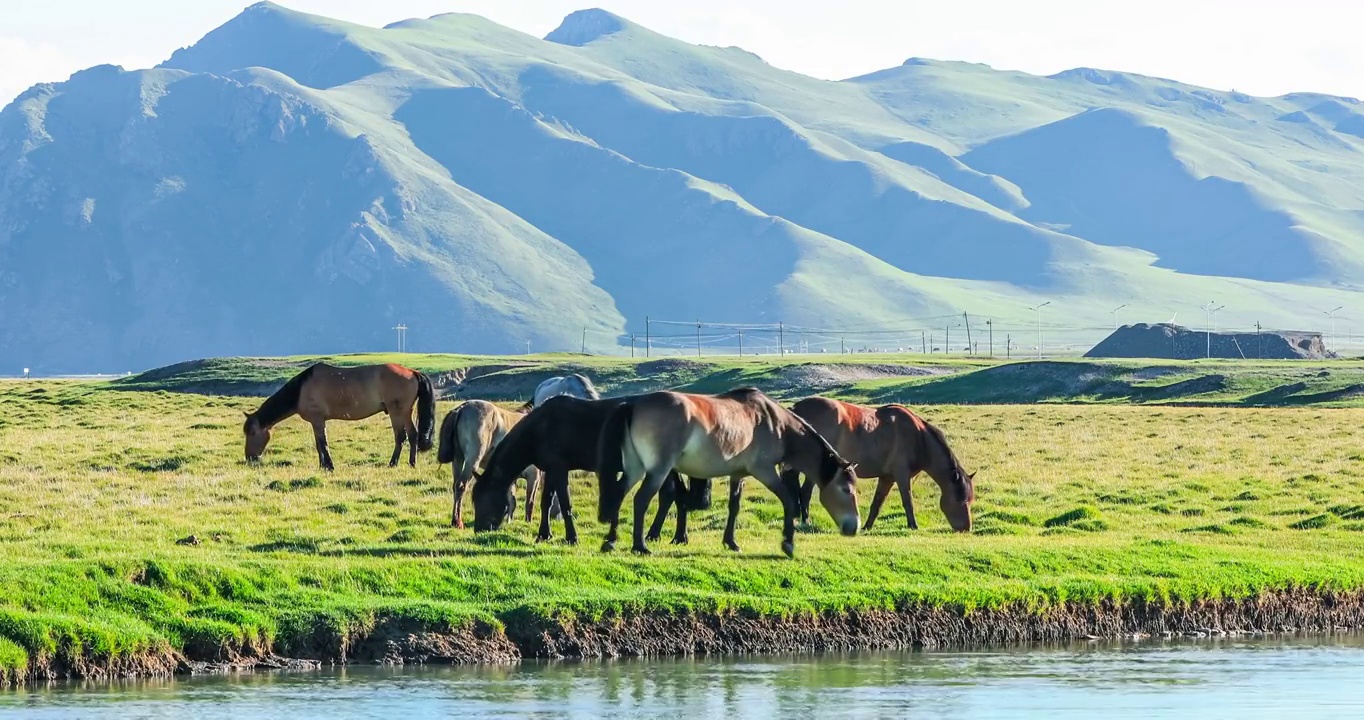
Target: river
{"type": "Point", "coordinates": [1227, 678]}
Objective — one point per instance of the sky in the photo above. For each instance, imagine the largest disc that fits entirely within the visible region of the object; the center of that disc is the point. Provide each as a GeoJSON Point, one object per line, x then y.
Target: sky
{"type": "Point", "coordinates": [1262, 47]}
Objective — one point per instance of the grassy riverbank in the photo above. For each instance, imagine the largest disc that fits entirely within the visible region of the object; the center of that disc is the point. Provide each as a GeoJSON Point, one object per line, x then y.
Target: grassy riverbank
{"type": "Point", "coordinates": [1076, 503]}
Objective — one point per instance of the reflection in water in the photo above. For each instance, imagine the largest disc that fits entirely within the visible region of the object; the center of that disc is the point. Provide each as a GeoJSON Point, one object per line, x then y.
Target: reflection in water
{"type": "Point", "coordinates": [1229, 678]}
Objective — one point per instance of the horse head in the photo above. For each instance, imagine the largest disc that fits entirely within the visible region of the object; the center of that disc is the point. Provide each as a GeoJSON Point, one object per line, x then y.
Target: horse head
{"type": "Point", "coordinates": [257, 437]}
{"type": "Point", "coordinates": [957, 495]}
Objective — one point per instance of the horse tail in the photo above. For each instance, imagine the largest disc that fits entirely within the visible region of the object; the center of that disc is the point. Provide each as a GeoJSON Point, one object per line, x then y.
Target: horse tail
{"type": "Point", "coordinates": [610, 462]}
{"type": "Point", "coordinates": [450, 451]}
{"type": "Point", "coordinates": [426, 413]}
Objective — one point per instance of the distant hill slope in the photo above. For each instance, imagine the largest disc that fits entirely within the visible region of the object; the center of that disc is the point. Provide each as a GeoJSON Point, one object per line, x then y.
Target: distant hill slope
{"type": "Point", "coordinates": [295, 184]}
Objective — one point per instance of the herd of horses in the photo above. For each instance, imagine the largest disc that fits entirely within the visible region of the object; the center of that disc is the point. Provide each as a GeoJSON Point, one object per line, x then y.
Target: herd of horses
{"type": "Point", "coordinates": [669, 444]}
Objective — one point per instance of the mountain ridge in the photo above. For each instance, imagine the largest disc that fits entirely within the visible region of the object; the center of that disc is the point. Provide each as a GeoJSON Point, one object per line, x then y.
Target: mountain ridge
{"type": "Point", "coordinates": [489, 188]}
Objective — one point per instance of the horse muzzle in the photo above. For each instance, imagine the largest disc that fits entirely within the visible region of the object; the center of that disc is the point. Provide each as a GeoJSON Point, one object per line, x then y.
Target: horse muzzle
{"type": "Point", "coordinates": [848, 527]}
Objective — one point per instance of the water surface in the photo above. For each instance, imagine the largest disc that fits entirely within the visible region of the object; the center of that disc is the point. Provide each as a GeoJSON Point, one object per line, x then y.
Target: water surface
{"type": "Point", "coordinates": [1232, 678]}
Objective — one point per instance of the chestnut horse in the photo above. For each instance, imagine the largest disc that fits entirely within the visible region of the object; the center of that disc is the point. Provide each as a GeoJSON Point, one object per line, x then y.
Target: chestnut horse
{"type": "Point", "coordinates": [557, 437]}
{"type": "Point", "coordinates": [468, 436]}
{"type": "Point", "coordinates": [739, 433]}
{"type": "Point", "coordinates": [325, 392]}
{"type": "Point", "coordinates": [892, 444]}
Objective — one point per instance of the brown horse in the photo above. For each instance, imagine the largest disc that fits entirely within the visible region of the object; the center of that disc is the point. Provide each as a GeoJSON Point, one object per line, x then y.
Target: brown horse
{"type": "Point", "coordinates": [325, 392]}
{"type": "Point", "coordinates": [739, 433]}
{"type": "Point", "coordinates": [892, 444]}
{"type": "Point", "coordinates": [468, 436]}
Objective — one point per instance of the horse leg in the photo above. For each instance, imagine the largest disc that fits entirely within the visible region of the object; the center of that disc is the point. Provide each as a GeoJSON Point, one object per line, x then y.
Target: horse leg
{"type": "Point", "coordinates": [666, 496]}
{"type": "Point", "coordinates": [399, 433]}
{"type": "Point", "coordinates": [643, 497]}
{"type": "Point", "coordinates": [533, 482]}
{"type": "Point", "coordinates": [565, 503]}
{"type": "Point", "coordinates": [685, 493]}
{"type": "Point", "coordinates": [546, 497]}
{"type": "Point", "coordinates": [463, 472]}
{"type": "Point", "coordinates": [736, 490]}
{"type": "Point", "coordinates": [806, 492]}
{"type": "Point", "coordinates": [883, 485]}
{"type": "Point", "coordinates": [324, 456]}
{"type": "Point", "coordinates": [907, 498]}
{"type": "Point", "coordinates": [789, 505]}
{"type": "Point", "coordinates": [411, 442]}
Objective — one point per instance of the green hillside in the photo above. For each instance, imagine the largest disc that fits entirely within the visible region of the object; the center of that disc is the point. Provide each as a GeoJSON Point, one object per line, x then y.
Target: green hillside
{"type": "Point", "coordinates": [293, 184]}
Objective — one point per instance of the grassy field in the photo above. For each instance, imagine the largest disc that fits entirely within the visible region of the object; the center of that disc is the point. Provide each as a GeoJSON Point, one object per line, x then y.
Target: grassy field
{"type": "Point", "coordinates": [1076, 502]}
{"type": "Point", "coordinates": [943, 379]}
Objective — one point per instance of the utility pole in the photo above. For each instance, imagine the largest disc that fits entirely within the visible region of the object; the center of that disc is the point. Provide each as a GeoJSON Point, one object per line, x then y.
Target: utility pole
{"type": "Point", "coordinates": [1038, 309]}
{"type": "Point", "coordinates": [402, 337]}
{"type": "Point", "coordinates": [698, 337]}
{"type": "Point", "coordinates": [527, 347]}
{"type": "Point", "coordinates": [741, 342]}
{"type": "Point", "coordinates": [933, 343]}
{"type": "Point", "coordinates": [842, 346]}
{"type": "Point", "coordinates": [969, 344]}
{"type": "Point", "coordinates": [1259, 342]}
{"type": "Point", "coordinates": [947, 342]}
{"type": "Point", "coordinates": [1210, 310]}
{"type": "Point", "coordinates": [1008, 346]}
{"type": "Point", "coordinates": [648, 343]}
{"type": "Point", "coordinates": [584, 341]}
{"type": "Point", "coordinates": [632, 345]}
{"type": "Point", "coordinates": [923, 338]}
{"type": "Point", "coordinates": [1114, 313]}
{"type": "Point", "coordinates": [990, 325]}
{"type": "Point", "coordinates": [1332, 314]}
{"type": "Point", "coordinates": [781, 338]}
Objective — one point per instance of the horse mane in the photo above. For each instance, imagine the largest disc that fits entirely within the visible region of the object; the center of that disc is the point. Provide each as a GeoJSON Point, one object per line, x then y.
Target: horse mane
{"type": "Point", "coordinates": [284, 402]}
{"type": "Point", "coordinates": [958, 474]}
{"type": "Point", "coordinates": [829, 459]}
{"type": "Point", "coordinates": [514, 445]}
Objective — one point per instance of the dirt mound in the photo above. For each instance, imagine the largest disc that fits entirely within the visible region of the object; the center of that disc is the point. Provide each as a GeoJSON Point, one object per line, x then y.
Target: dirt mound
{"type": "Point", "coordinates": [669, 366]}
{"type": "Point", "coordinates": [1177, 342]}
{"type": "Point", "coordinates": [818, 377]}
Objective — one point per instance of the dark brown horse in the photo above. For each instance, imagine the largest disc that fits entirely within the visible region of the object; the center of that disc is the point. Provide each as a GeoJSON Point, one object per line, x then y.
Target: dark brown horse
{"type": "Point", "coordinates": [737, 434]}
{"type": "Point", "coordinates": [558, 437]}
{"type": "Point", "coordinates": [325, 392]}
{"type": "Point", "coordinates": [892, 444]}
{"type": "Point", "coordinates": [468, 436]}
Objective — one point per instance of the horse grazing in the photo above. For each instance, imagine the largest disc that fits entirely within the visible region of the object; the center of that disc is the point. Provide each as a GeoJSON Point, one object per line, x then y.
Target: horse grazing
{"type": "Point", "coordinates": [468, 435]}
{"type": "Point", "coordinates": [575, 385]}
{"type": "Point", "coordinates": [739, 433]}
{"type": "Point", "coordinates": [325, 392]}
{"type": "Point", "coordinates": [892, 444]}
{"type": "Point", "coordinates": [557, 437]}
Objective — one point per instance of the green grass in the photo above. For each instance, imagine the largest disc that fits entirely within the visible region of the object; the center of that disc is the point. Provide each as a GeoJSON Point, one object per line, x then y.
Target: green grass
{"type": "Point", "coordinates": [97, 484]}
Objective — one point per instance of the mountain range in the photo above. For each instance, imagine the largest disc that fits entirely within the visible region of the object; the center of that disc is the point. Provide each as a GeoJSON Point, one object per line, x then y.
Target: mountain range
{"type": "Point", "coordinates": [296, 184]}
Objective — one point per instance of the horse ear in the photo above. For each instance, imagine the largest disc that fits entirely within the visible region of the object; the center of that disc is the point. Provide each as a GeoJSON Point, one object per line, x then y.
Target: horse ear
{"type": "Point", "coordinates": [246, 414]}
{"type": "Point", "coordinates": [971, 476]}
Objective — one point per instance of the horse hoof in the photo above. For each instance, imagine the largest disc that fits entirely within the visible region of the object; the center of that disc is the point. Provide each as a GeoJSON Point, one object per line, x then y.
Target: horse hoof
{"type": "Point", "coordinates": [730, 544]}
{"type": "Point", "coordinates": [652, 537]}
{"type": "Point", "coordinates": [543, 538]}
{"type": "Point", "coordinates": [789, 548]}
{"type": "Point", "coordinates": [914, 526]}
{"type": "Point", "coordinates": [867, 526]}
{"type": "Point", "coordinates": [641, 550]}
{"type": "Point", "coordinates": [608, 546]}
{"type": "Point", "coordinates": [571, 540]}
{"type": "Point", "coordinates": [680, 540]}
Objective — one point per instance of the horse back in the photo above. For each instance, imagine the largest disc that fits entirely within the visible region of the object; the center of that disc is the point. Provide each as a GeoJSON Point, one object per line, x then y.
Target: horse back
{"type": "Point", "coordinates": [705, 435]}
{"type": "Point", "coordinates": [566, 430]}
